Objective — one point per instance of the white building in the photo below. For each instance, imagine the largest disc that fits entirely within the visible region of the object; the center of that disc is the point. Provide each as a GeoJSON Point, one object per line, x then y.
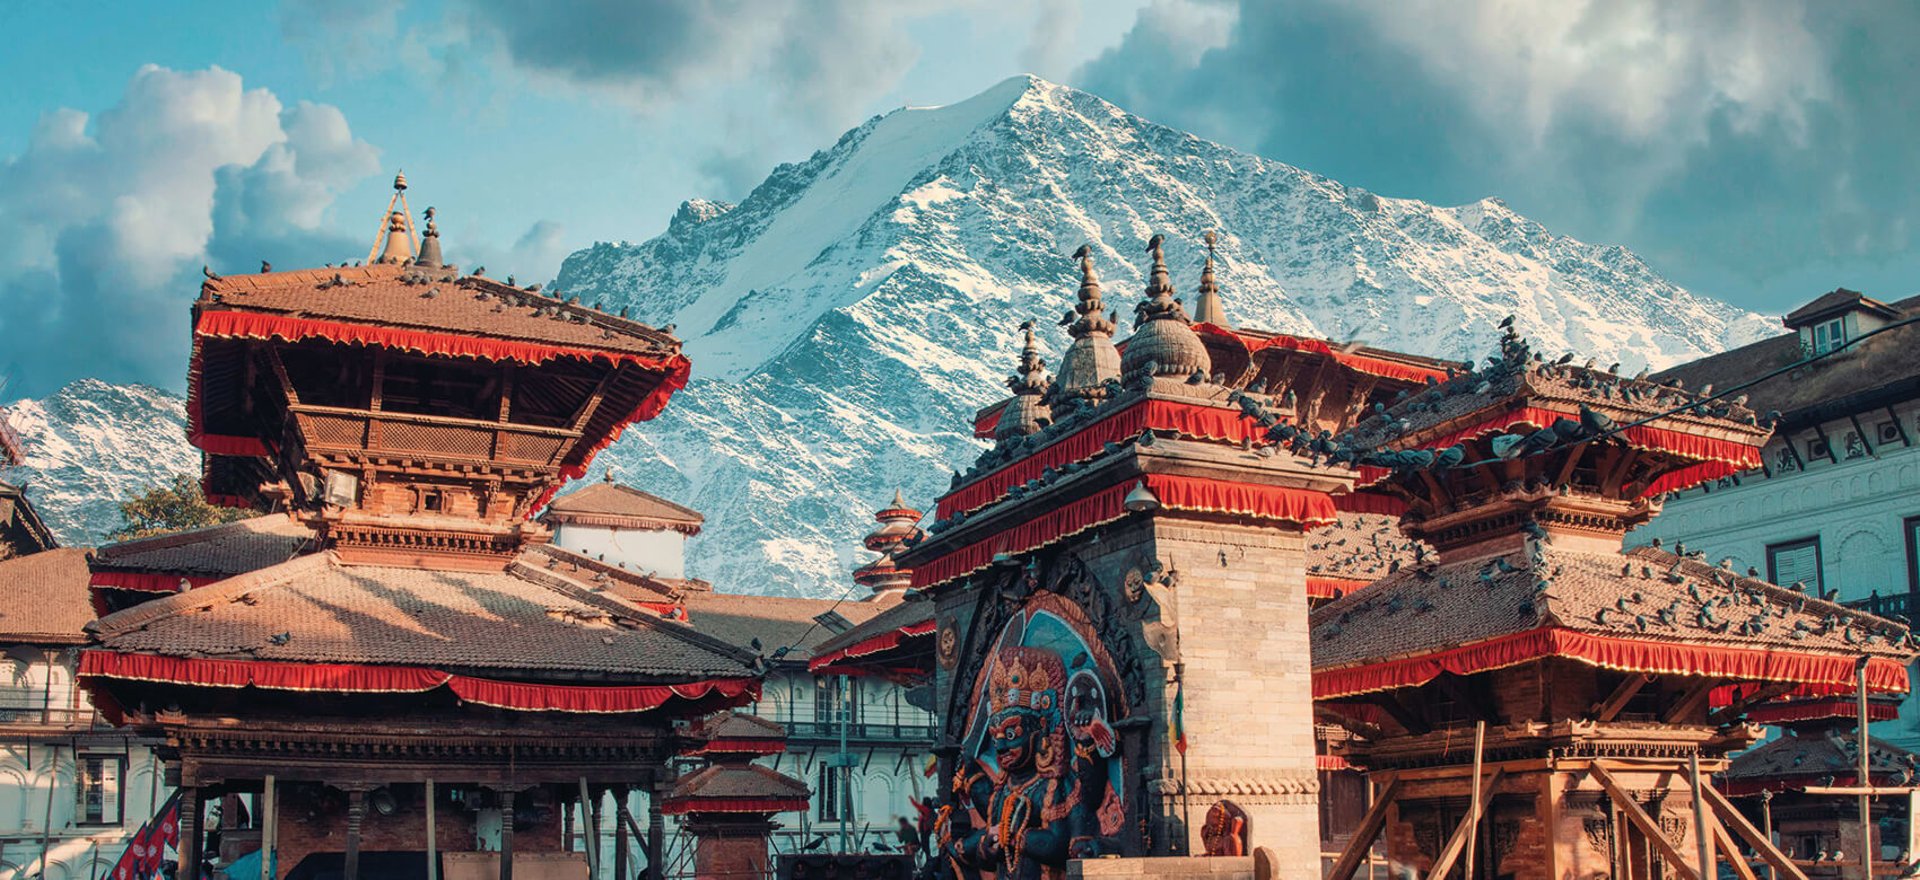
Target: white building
{"type": "Point", "coordinates": [72, 788]}
{"type": "Point", "coordinates": [888, 737]}
{"type": "Point", "coordinates": [1836, 505]}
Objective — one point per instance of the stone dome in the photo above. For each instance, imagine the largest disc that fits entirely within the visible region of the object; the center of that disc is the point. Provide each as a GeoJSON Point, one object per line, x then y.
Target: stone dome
{"type": "Point", "coordinates": [1164, 338]}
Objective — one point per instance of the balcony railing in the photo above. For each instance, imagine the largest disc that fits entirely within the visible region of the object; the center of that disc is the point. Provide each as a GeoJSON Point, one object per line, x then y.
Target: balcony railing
{"type": "Point", "coordinates": [1896, 607]}
{"type": "Point", "coordinates": [55, 717]}
{"type": "Point", "coordinates": [333, 428]}
{"type": "Point", "coordinates": [863, 732]}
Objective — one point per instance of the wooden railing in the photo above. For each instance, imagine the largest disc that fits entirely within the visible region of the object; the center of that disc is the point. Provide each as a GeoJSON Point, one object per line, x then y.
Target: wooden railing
{"type": "Point", "coordinates": [1897, 607]}
{"type": "Point", "coordinates": [337, 429]}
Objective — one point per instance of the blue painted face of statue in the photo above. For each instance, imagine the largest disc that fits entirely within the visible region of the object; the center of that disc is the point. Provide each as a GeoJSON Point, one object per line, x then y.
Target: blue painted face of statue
{"type": "Point", "coordinates": [1013, 743]}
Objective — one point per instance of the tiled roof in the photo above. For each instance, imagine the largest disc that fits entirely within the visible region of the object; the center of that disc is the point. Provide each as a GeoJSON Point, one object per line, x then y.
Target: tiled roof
{"type": "Point", "coordinates": [1887, 363]}
{"type": "Point", "coordinates": [1643, 594]}
{"type": "Point", "coordinates": [1836, 299]}
{"type": "Point", "coordinates": [526, 619]}
{"type": "Point", "coordinates": [629, 584]}
{"type": "Point", "coordinates": [777, 621]}
{"type": "Point", "coordinates": [736, 725]}
{"type": "Point", "coordinates": [1359, 547]}
{"type": "Point", "coordinates": [30, 531]}
{"type": "Point", "coordinates": [1814, 754]}
{"type": "Point", "coordinates": [610, 499]}
{"type": "Point", "coordinates": [899, 614]}
{"type": "Point", "coordinates": [215, 551]}
{"type": "Point", "coordinates": [733, 781]}
{"type": "Point", "coordinates": [397, 296]}
{"type": "Point", "coordinates": [43, 598]}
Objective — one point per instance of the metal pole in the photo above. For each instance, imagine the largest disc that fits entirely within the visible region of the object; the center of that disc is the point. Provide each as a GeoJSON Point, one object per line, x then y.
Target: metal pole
{"type": "Point", "coordinates": [1186, 799]}
{"type": "Point", "coordinates": [1474, 806]}
{"type": "Point", "coordinates": [433, 835]}
{"type": "Point", "coordinates": [846, 770]}
{"type": "Point", "coordinates": [1700, 832]}
{"type": "Point", "coordinates": [1867, 847]}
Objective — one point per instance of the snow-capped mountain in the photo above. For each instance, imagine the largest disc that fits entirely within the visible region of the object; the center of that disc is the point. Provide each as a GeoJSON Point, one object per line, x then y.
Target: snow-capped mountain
{"type": "Point", "coordinates": [847, 318]}
{"type": "Point", "coordinates": [91, 445]}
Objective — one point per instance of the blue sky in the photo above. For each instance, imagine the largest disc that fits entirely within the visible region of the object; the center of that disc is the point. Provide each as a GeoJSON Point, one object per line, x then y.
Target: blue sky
{"type": "Point", "coordinates": [1758, 153]}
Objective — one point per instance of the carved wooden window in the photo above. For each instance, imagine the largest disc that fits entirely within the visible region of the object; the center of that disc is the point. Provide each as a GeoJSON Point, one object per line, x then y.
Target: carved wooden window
{"type": "Point", "coordinates": [1793, 562]}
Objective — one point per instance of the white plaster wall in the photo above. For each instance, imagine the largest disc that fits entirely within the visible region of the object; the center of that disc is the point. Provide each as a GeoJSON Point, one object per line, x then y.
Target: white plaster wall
{"type": "Point", "coordinates": [661, 551]}
{"type": "Point", "coordinates": [39, 792]}
{"type": "Point", "coordinates": [1857, 508]}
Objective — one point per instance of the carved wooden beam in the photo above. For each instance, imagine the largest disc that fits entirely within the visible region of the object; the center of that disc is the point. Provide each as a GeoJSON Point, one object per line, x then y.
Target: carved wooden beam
{"type": "Point", "coordinates": [1732, 710]}
{"type": "Point", "coordinates": [1363, 835]}
{"type": "Point", "coordinates": [1689, 701]}
{"type": "Point", "coordinates": [1649, 829]}
{"type": "Point", "coordinates": [1609, 709]}
{"type": "Point", "coordinates": [1723, 842]}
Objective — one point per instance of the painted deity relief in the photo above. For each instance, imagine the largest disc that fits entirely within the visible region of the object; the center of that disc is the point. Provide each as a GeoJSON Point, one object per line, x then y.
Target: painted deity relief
{"type": "Point", "coordinates": [1040, 780]}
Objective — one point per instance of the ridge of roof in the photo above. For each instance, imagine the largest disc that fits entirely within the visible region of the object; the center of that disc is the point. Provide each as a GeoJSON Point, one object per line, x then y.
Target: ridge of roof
{"type": "Point", "coordinates": [618, 499]}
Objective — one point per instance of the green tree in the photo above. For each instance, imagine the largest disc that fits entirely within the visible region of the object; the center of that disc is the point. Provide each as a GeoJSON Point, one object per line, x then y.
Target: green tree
{"type": "Point", "coordinates": [170, 507]}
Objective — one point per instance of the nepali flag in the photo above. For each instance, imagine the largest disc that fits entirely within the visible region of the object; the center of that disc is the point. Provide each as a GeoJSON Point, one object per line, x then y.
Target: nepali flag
{"type": "Point", "coordinates": [147, 849]}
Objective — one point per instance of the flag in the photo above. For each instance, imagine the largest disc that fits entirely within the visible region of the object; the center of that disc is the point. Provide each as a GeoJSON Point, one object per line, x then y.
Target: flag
{"type": "Point", "coordinates": [933, 766]}
{"type": "Point", "coordinates": [148, 846]}
{"type": "Point", "coordinates": [1180, 717]}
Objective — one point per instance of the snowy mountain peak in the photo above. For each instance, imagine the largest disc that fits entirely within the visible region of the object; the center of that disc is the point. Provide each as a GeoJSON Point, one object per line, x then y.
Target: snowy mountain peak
{"type": "Point", "coordinates": [847, 317]}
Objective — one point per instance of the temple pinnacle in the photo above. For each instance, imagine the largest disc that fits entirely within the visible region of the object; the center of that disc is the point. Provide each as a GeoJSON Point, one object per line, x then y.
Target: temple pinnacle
{"type": "Point", "coordinates": [1207, 308]}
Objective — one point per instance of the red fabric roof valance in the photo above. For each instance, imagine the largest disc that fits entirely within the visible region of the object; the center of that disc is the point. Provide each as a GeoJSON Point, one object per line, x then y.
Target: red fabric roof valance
{"type": "Point", "coordinates": [1309, 509]}
{"type": "Point", "coordinates": [1320, 587]}
{"type": "Point", "coordinates": [1813, 710]}
{"type": "Point", "coordinates": [1360, 362]}
{"type": "Point", "coordinates": [885, 641]}
{"type": "Point", "coordinates": [146, 582]}
{"type": "Point", "coordinates": [224, 323]}
{"type": "Point", "coordinates": [1186, 419]}
{"type": "Point", "coordinates": [1609, 652]}
{"type": "Point", "coordinates": [354, 678]}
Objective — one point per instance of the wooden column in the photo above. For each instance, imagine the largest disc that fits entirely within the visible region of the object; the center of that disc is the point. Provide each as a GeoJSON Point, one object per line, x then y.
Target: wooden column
{"type": "Point", "coordinates": [656, 836]}
{"type": "Point", "coordinates": [269, 829]}
{"type": "Point", "coordinates": [190, 833]}
{"type": "Point", "coordinates": [356, 813]}
{"type": "Point", "coordinates": [506, 835]}
{"type": "Point", "coordinates": [620, 833]}
{"type": "Point", "coordinates": [433, 837]}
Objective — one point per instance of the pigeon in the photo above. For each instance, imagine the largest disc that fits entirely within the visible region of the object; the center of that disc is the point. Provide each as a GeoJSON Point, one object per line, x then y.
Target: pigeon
{"type": "Point", "coordinates": [814, 844]}
{"type": "Point", "coordinates": [265, 267]}
{"type": "Point", "coordinates": [211, 275]}
{"type": "Point", "coordinates": [1198, 377]}
{"type": "Point", "coordinates": [280, 638]}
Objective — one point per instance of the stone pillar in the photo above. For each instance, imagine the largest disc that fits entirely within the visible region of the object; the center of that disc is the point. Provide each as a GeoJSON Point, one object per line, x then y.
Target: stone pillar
{"type": "Point", "coordinates": [730, 846]}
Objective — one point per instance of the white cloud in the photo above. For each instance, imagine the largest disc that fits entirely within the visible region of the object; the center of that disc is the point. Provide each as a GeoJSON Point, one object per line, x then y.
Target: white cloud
{"type": "Point", "coordinates": [100, 217]}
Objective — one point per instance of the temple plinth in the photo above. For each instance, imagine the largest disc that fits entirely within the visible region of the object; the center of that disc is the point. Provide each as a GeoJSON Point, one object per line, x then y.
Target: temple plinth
{"type": "Point", "coordinates": [1530, 698]}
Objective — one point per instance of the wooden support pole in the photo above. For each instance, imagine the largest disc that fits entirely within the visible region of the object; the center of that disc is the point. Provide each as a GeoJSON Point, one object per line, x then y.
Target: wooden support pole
{"type": "Point", "coordinates": [1647, 827]}
{"type": "Point", "coordinates": [506, 834]}
{"type": "Point", "coordinates": [1761, 843]}
{"type": "Point", "coordinates": [1362, 841]}
{"type": "Point", "coordinates": [1463, 833]}
{"type": "Point", "coordinates": [1702, 834]}
{"type": "Point", "coordinates": [433, 835]}
{"type": "Point", "coordinates": [356, 813]}
{"type": "Point", "coordinates": [590, 817]}
{"type": "Point", "coordinates": [270, 829]}
{"type": "Point", "coordinates": [1869, 850]}
{"type": "Point", "coordinates": [190, 833]}
{"type": "Point", "coordinates": [1691, 700]}
{"type": "Point", "coordinates": [620, 833]}
{"type": "Point", "coordinates": [656, 835]}
{"type": "Point", "coordinates": [1734, 856]}
{"type": "Point", "coordinates": [1478, 804]}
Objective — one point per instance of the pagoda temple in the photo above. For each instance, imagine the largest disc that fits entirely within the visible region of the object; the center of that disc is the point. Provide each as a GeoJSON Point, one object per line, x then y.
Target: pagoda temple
{"type": "Point", "coordinates": [1120, 595]}
{"type": "Point", "coordinates": [400, 663]}
{"type": "Point", "coordinates": [1531, 701]}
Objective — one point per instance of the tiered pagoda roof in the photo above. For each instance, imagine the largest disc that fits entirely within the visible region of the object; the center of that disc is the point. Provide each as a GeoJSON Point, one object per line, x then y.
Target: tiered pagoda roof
{"type": "Point", "coordinates": [1355, 551]}
{"type": "Point", "coordinates": [897, 642]}
{"type": "Point", "coordinates": [614, 505]}
{"type": "Point", "coordinates": [130, 572]}
{"type": "Point", "coordinates": [1798, 759]}
{"type": "Point", "coordinates": [1524, 476]}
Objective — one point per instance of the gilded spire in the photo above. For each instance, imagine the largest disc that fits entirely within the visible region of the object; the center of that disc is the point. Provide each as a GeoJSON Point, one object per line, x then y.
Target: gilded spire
{"type": "Point", "coordinates": [1206, 303]}
{"type": "Point", "coordinates": [1091, 359]}
{"type": "Point", "coordinates": [430, 245]}
{"type": "Point", "coordinates": [395, 244]}
{"type": "Point", "coordinates": [1025, 413]}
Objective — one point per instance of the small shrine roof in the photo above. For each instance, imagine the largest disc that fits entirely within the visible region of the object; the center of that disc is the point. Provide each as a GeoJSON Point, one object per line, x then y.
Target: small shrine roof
{"type": "Point", "coordinates": [526, 619]}
{"type": "Point", "coordinates": [881, 633]}
{"type": "Point", "coordinates": [736, 788]}
{"type": "Point", "coordinates": [1795, 759]}
{"type": "Point", "coordinates": [221, 551]}
{"type": "Point", "coordinates": [43, 598]}
{"type": "Point", "coordinates": [1553, 597]}
{"type": "Point", "coordinates": [777, 621]}
{"type": "Point", "coordinates": [434, 300]}
{"type": "Point", "coordinates": [610, 503]}
{"type": "Point", "coordinates": [1837, 300]}
{"type": "Point", "coordinates": [1883, 367]}
{"type": "Point", "coordinates": [736, 725]}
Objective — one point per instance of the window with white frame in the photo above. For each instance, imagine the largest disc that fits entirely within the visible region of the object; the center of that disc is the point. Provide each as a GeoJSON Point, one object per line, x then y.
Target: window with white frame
{"type": "Point", "coordinates": [1793, 562]}
{"type": "Point", "coordinates": [1829, 335]}
{"type": "Point", "coordinates": [826, 793]}
{"type": "Point", "coordinates": [97, 789]}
